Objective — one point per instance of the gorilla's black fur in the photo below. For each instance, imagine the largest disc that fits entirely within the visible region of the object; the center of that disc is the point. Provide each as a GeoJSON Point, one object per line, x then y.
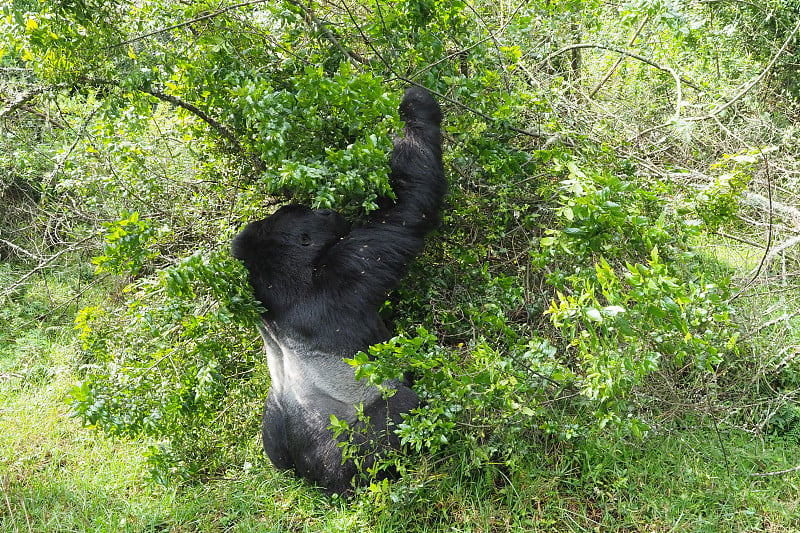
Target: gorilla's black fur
{"type": "Point", "coordinates": [322, 285]}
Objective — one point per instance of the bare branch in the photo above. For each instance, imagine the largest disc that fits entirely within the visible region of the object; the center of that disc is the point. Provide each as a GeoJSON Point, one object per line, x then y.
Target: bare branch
{"type": "Point", "coordinates": [321, 26]}
{"type": "Point", "coordinates": [21, 100]}
{"type": "Point", "coordinates": [739, 239]}
{"type": "Point", "coordinates": [787, 212]}
{"type": "Point", "coordinates": [778, 473]}
{"type": "Point", "coordinates": [679, 92]}
{"type": "Point", "coordinates": [44, 117]}
{"type": "Point", "coordinates": [620, 59]}
{"type": "Point", "coordinates": [619, 51]}
{"type": "Point", "coordinates": [785, 317]}
{"type": "Point", "coordinates": [43, 264]}
{"type": "Point", "coordinates": [19, 249]}
{"type": "Point", "coordinates": [727, 104]}
{"type": "Point", "coordinates": [746, 89]}
{"type": "Point", "coordinates": [60, 164]}
{"type": "Point", "coordinates": [764, 257]}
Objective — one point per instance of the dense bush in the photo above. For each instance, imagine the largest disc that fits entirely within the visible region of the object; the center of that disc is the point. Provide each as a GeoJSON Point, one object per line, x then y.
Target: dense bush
{"type": "Point", "coordinates": [564, 275]}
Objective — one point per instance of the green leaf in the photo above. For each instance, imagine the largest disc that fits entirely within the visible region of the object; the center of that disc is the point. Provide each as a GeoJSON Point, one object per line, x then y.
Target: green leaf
{"type": "Point", "coordinates": [593, 314]}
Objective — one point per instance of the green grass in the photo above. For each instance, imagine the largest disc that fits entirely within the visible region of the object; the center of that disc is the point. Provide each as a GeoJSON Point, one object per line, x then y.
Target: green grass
{"type": "Point", "coordinates": [58, 476]}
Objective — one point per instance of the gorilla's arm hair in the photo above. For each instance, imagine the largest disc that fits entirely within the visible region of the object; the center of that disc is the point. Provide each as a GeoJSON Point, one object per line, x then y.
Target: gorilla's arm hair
{"type": "Point", "coordinates": [371, 259]}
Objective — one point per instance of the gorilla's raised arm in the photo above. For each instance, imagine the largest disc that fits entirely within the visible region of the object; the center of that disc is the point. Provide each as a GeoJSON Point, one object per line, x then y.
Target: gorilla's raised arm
{"type": "Point", "coordinates": [371, 259]}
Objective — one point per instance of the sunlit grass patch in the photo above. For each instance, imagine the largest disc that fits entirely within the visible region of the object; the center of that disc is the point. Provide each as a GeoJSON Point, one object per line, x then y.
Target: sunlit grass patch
{"type": "Point", "coordinates": [741, 257]}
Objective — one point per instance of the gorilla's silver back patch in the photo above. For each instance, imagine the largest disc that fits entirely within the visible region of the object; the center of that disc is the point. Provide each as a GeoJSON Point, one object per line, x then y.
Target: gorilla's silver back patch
{"type": "Point", "coordinates": [312, 378]}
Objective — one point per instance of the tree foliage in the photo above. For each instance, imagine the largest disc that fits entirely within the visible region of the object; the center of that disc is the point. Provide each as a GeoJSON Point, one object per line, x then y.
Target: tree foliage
{"type": "Point", "coordinates": [564, 288]}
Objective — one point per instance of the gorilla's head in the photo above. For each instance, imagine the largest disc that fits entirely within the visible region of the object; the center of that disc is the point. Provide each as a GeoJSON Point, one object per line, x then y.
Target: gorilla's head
{"type": "Point", "coordinates": [290, 239]}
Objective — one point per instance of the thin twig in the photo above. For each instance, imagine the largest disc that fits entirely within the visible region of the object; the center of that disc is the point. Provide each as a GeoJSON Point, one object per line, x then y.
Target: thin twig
{"type": "Point", "coordinates": [25, 511]}
{"type": "Point", "coordinates": [620, 59]}
{"type": "Point", "coordinates": [43, 264]}
{"type": "Point", "coordinates": [8, 503]}
{"type": "Point", "coordinates": [23, 251]}
{"type": "Point", "coordinates": [321, 26]}
{"type": "Point", "coordinates": [752, 83]}
{"type": "Point", "coordinates": [739, 239]}
{"type": "Point", "coordinates": [437, 94]}
{"type": "Point", "coordinates": [187, 23]}
{"type": "Point", "coordinates": [769, 232]}
{"type": "Point", "coordinates": [619, 51]}
{"type": "Point", "coordinates": [78, 136]}
{"type": "Point", "coordinates": [21, 100]}
{"type": "Point", "coordinates": [778, 473]}
{"type": "Point", "coordinates": [721, 445]}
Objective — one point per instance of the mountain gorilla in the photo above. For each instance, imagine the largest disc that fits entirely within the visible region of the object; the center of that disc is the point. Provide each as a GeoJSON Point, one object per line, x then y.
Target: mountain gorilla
{"type": "Point", "coordinates": [322, 284]}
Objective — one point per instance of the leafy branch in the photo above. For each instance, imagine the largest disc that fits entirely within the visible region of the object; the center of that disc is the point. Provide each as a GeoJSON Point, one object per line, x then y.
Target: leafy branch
{"type": "Point", "coordinates": [207, 16]}
{"type": "Point", "coordinates": [224, 131]}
